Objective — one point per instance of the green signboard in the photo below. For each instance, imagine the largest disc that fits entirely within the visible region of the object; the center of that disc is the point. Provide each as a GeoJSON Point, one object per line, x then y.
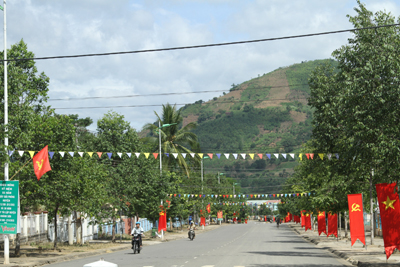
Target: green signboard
{"type": "Point", "coordinates": [9, 207]}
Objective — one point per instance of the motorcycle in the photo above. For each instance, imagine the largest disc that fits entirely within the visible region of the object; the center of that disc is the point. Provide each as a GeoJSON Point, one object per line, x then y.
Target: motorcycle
{"type": "Point", "coordinates": [191, 234]}
{"type": "Point", "coordinates": [136, 243]}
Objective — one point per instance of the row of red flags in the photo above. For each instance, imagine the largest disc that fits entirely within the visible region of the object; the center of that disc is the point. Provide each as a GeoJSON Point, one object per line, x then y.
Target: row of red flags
{"type": "Point", "coordinates": [389, 206]}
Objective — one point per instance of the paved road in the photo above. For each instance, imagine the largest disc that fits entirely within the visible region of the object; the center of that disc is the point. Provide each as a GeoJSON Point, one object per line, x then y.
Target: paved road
{"type": "Point", "coordinates": [251, 245]}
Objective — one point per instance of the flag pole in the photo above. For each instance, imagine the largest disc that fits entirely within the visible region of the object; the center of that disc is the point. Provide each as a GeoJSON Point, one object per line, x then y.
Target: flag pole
{"type": "Point", "coordinates": [6, 241]}
{"type": "Point", "coordinates": [20, 169]}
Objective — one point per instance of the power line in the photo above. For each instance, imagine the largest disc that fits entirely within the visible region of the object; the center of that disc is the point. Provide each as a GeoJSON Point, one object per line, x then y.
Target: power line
{"type": "Point", "coordinates": [181, 104]}
{"type": "Point", "coordinates": [165, 94]}
{"type": "Point", "coordinates": [202, 46]}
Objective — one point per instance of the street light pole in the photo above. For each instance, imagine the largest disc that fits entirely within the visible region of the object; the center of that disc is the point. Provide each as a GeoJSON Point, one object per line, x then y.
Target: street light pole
{"type": "Point", "coordinates": [159, 139]}
{"type": "Point", "coordinates": [219, 181]}
{"type": "Point", "coordinates": [6, 241]}
{"type": "Point", "coordinates": [234, 187]}
{"type": "Point", "coordinates": [202, 201]}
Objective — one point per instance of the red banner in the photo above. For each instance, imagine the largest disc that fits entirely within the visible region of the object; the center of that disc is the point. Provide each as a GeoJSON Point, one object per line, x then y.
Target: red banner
{"type": "Point", "coordinates": [303, 220]}
{"type": "Point", "coordinates": [332, 224]}
{"type": "Point", "coordinates": [288, 217]}
{"type": "Point", "coordinates": [162, 221]}
{"type": "Point", "coordinates": [356, 217]}
{"type": "Point", "coordinates": [296, 219]}
{"type": "Point", "coordinates": [389, 206]}
{"type": "Point", "coordinates": [321, 223]}
{"type": "Point", "coordinates": [202, 221]}
{"type": "Point", "coordinates": [219, 215]}
{"type": "Point", "coordinates": [307, 219]}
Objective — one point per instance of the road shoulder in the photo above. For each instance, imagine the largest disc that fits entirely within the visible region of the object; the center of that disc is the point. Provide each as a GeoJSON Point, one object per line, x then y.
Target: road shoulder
{"type": "Point", "coordinates": [357, 255]}
{"type": "Point", "coordinates": [31, 258]}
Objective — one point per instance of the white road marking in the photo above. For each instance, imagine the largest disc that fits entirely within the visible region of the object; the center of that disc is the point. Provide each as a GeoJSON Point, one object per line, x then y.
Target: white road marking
{"type": "Point", "coordinates": [187, 262]}
{"type": "Point", "coordinates": [195, 257]}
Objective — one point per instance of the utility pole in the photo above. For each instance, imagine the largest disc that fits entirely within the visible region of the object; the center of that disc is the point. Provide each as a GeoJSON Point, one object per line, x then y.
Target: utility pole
{"type": "Point", "coordinates": [6, 240]}
{"type": "Point", "coordinates": [202, 188]}
{"type": "Point", "coordinates": [159, 140]}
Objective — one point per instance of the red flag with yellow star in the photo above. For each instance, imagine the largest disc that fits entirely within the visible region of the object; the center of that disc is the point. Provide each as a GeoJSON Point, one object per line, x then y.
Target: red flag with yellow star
{"type": "Point", "coordinates": [321, 223]}
{"type": "Point", "coordinates": [41, 163]}
{"type": "Point", "coordinates": [389, 207]}
{"type": "Point", "coordinates": [208, 208]}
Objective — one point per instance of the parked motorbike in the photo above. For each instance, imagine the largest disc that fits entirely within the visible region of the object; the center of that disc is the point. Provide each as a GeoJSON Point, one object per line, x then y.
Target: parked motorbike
{"type": "Point", "coordinates": [136, 243]}
{"type": "Point", "coordinates": [191, 234]}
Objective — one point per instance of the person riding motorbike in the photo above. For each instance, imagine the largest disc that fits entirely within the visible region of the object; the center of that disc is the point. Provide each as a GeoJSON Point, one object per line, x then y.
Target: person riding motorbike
{"type": "Point", "coordinates": [138, 230]}
{"type": "Point", "coordinates": [192, 226]}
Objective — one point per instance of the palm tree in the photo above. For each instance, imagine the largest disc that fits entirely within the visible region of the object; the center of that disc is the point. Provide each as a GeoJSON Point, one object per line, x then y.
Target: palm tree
{"type": "Point", "coordinates": [173, 139]}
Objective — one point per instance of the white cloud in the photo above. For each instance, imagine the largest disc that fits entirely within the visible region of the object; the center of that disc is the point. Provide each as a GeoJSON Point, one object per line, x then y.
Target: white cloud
{"type": "Point", "coordinates": [78, 27]}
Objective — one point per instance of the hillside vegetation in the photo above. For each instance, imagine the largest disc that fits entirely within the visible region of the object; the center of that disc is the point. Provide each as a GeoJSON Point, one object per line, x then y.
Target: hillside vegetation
{"type": "Point", "coordinates": [267, 114]}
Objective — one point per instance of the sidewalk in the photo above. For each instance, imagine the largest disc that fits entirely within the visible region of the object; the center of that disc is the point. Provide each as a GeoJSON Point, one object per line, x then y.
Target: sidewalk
{"type": "Point", "coordinates": [357, 255]}
{"type": "Point", "coordinates": [31, 256]}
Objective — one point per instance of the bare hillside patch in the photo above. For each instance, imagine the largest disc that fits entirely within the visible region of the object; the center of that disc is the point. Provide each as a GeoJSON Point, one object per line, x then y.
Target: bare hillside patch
{"type": "Point", "coordinates": [284, 126]}
{"type": "Point", "coordinates": [189, 119]}
{"type": "Point", "coordinates": [278, 92]}
{"type": "Point", "coordinates": [298, 116]}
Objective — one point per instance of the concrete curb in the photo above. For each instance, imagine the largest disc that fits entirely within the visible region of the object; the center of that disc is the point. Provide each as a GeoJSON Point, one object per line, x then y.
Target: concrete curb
{"type": "Point", "coordinates": [343, 254]}
{"type": "Point", "coordinates": [68, 257]}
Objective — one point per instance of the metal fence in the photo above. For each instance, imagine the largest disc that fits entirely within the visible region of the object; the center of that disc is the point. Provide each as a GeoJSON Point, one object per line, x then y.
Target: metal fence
{"type": "Point", "coordinates": [121, 226]}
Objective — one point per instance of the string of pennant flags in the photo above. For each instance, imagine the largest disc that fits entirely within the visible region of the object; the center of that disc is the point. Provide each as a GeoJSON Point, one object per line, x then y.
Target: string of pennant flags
{"type": "Point", "coordinates": [240, 195]}
{"type": "Point", "coordinates": [309, 156]}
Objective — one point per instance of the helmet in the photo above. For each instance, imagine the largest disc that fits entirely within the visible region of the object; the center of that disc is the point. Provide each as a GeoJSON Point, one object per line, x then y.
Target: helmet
{"type": "Point", "coordinates": [138, 223]}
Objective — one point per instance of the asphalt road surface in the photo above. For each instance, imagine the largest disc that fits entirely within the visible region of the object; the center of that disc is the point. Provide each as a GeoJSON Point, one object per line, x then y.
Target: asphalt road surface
{"type": "Point", "coordinates": [250, 245]}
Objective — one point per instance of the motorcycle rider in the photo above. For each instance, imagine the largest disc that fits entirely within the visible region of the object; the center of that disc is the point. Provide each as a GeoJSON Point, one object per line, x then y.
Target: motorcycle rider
{"type": "Point", "coordinates": [138, 230]}
{"type": "Point", "coordinates": [192, 226]}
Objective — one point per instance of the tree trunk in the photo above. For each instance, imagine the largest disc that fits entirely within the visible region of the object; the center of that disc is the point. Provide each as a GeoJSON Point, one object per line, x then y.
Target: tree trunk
{"type": "Point", "coordinates": [113, 229]}
{"type": "Point", "coordinates": [78, 227]}
{"type": "Point", "coordinates": [55, 227]}
{"type": "Point", "coordinates": [82, 237]}
{"type": "Point", "coordinates": [371, 201]}
{"type": "Point", "coordinates": [345, 224]}
{"type": "Point", "coordinates": [17, 246]}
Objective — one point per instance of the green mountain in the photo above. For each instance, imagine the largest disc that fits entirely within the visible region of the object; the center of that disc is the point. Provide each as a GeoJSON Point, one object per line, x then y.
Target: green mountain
{"type": "Point", "coordinates": [267, 114]}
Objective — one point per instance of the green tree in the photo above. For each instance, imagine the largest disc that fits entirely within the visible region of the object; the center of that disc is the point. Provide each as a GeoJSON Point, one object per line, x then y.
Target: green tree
{"type": "Point", "coordinates": [27, 92]}
{"type": "Point", "coordinates": [73, 183]}
{"type": "Point", "coordinates": [356, 107]}
{"type": "Point", "coordinates": [174, 138]}
{"type": "Point", "coordinates": [114, 134]}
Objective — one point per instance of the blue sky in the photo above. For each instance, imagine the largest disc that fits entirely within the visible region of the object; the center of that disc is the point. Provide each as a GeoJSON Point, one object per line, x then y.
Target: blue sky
{"type": "Point", "coordinates": [66, 27]}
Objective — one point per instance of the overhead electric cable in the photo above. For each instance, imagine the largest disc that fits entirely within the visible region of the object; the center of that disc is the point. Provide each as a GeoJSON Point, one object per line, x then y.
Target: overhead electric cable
{"type": "Point", "coordinates": [164, 94]}
{"type": "Point", "coordinates": [203, 46]}
{"type": "Point", "coordinates": [183, 104]}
